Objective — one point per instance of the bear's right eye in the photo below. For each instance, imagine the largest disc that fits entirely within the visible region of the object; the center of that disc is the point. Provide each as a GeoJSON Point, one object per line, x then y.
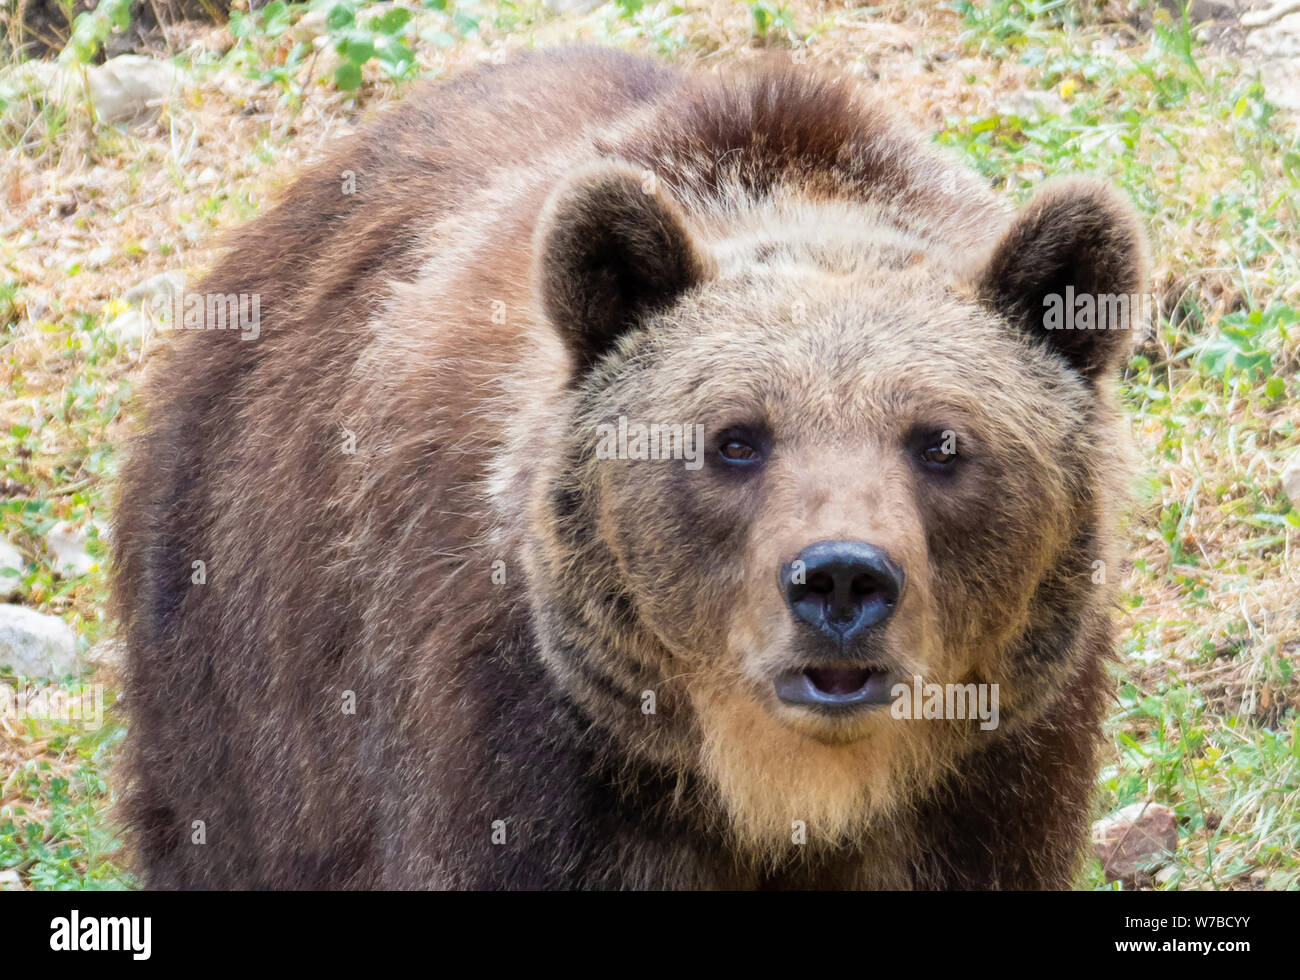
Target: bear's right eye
{"type": "Point", "coordinates": [937, 456]}
{"type": "Point", "coordinates": [742, 445]}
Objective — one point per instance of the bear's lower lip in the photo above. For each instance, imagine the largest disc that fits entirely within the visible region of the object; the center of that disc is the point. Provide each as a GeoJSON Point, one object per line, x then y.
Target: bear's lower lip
{"type": "Point", "coordinates": [833, 687]}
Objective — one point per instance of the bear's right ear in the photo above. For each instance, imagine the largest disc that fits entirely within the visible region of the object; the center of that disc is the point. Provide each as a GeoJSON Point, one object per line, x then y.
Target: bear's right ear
{"type": "Point", "coordinates": [609, 249]}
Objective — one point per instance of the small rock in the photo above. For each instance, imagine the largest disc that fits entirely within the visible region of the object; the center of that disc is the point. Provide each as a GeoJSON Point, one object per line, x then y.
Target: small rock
{"type": "Point", "coordinates": [310, 25]}
{"type": "Point", "coordinates": [156, 297]}
{"type": "Point", "coordinates": [11, 881]}
{"type": "Point", "coordinates": [1278, 40]}
{"type": "Point", "coordinates": [11, 562]}
{"type": "Point", "coordinates": [1130, 841]}
{"type": "Point", "coordinates": [372, 11]}
{"type": "Point", "coordinates": [1291, 480]}
{"type": "Point", "coordinates": [130, 88]}
{"type": "Point", "coordinates": [561, 7]}
{"type": "Point", "coordinates": [971, 67]}
{"type": "Point", "coordinates": [49, 80]}
{"type": "Point", "coordinates": [1031, 104]}
{"type": "Point", "coordinates": [36, 306]}
{"type": "Point", "coordinates": [35, 75]}
{"type": "Point", "coordinates": [35, 645]}
{"type": "Point", "coordinates": [1201, 11]}
{"type": "Point", "coordinates": [1258, 18]}
{"type": "Point", "coordinates": [234, 86]}
{"type": "Point", "coordinates": [1281, 79]}
{"type": "Point", "coordinates": [165, 284]}
{"type": "Point", "coordinates": [110, 653]}
{"type": "Point", "coordinates": [12, 567]}
{"type": "Point", "coordinates": [126, 328]}
{"type": "Point", "coordinates": [66, 546]}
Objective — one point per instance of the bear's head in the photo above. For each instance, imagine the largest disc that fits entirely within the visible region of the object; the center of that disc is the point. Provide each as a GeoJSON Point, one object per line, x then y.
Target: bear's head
{"type": "Point", "coordinates": [803, 460]}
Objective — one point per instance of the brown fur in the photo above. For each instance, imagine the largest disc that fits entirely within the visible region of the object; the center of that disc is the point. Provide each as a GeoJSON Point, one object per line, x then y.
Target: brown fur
{"type": "Point", "coordinates": [534, 250]}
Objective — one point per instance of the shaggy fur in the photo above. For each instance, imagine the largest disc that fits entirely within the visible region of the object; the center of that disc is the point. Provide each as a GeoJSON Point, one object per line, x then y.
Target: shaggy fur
{"type": "Point", "coordinates": [533, 250]}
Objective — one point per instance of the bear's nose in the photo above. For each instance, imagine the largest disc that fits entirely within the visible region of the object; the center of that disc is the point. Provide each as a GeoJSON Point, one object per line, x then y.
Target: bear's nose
{"type": "Point", "coordinates": [842, 587]}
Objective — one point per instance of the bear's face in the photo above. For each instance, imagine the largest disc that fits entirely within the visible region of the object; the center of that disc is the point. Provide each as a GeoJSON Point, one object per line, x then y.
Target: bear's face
{"type": "Point", "coordinates": [817, 486]}
{"type": "Point", "coordinates": [813, 481]}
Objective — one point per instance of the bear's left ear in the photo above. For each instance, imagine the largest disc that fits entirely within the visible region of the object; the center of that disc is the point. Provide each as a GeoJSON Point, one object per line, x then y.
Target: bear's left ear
{"type": "Point", "coordinates": [609, 248]}
{"type": "Point", "coordinates": [1076, 237]}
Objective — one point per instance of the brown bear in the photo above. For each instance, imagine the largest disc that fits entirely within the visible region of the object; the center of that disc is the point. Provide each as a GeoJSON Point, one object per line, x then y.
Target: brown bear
{"type": "Point", "coordinates": [615, 452]}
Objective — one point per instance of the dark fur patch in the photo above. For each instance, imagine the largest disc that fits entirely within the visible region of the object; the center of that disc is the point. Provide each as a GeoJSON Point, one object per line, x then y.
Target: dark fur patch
{"type": "Point", "coordinates": [1074, 235]}
{"type": "Point", "coordinates": [610, 252]}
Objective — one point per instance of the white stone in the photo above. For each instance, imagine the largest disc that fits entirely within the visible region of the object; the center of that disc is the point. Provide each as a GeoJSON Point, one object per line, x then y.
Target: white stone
{"type": "Point", "coordinates": [11, 563]}
{"type": "Point", "coordinates": [1278, 40]}
{"type": "Point", "coordinates": [130, 88]}
{"type": "Point", "coordinates": [1281, 79]}
{"type": "Point", "coordinates": [1258, 18]}
{"type": "Point", "coordinates": [310, 25]}
{"type": "Point", "coordinates": [109, 652]}
{"type": "Point", "coordinates": [1291, 480]}
{"type": "Point", "coordinates": [127, 327]}
{"type": "Point", "coordinates": [36, 645]}
{"type": "Point", "coordinates": [165, 284]}
{"type": "Point", "coordinates": [12, 567]}
{"type": "Point", "coordinates": [36, 304]}
{"type": "Point", "coordinates": [48, 80]}
{"type": "Point", "coordinates": [1032, 104]}
{"type": "Point", "coordinates": [561, 7]}
{"type": "Point", "coordinates": [66, 547]}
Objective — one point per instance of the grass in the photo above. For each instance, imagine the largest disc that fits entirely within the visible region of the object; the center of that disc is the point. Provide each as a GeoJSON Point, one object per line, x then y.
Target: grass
{"type": "Point", "coordinates": [55, 828]}
{"type": "Point", "coordinates": [1204, 717]}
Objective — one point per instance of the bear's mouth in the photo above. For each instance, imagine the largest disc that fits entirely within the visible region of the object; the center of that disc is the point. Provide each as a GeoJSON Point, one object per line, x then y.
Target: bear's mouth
{"type": "Point", "coordinates": [834, 687]}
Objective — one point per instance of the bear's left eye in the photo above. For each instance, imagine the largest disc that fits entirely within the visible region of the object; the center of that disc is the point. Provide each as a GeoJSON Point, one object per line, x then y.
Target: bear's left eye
{"type": "Point", "coordinates": [738, 451]}
{"type": "Point", "coordinates": [935, 449]}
